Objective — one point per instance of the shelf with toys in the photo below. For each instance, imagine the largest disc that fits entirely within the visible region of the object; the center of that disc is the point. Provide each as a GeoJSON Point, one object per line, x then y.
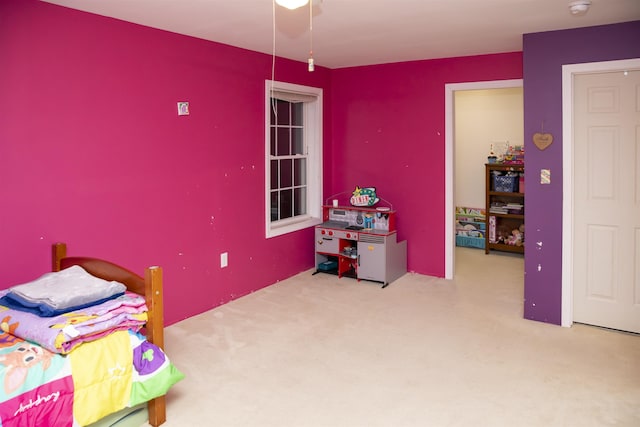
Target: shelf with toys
{"type": "Point", "coordinates": [504, 207]}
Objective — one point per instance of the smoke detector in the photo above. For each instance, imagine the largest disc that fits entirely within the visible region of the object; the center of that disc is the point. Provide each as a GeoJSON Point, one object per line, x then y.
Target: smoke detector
{"type": "Point", "coordinates": [579, 7]}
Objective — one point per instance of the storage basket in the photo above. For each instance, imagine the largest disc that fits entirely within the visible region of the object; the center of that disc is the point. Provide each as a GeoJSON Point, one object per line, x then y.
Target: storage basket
{"type": "Point", "coordinates": [328, 266]}
{"type": "Point", "coordinates": [505, 183]}
{"type": "Point", "coordinates": [470, 242]}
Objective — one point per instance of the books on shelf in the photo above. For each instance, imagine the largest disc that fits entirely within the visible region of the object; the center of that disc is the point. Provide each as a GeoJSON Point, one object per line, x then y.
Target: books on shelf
{"type": "Point", "coordinates": [470, 227]}
{"type": "Point", "coordinates": [506, 208]}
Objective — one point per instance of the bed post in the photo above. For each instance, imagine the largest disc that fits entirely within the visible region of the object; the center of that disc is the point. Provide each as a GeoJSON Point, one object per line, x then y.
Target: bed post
{"type": "Point", "coordinates": [153, 296]}
{"type": "Point", "coordinates": [157, 409]}
{"type": "Point", "coordinates": [59, 252]}
{"type": "Point", "coordinates": [155, 334]}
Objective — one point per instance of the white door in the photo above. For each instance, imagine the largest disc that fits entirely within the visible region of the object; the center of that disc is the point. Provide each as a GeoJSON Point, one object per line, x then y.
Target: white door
{"type": "Point", "coordinates": [606, 264]}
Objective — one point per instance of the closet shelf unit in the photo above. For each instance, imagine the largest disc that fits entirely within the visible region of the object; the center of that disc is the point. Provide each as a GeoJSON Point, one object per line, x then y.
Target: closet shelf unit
{"type": "Point", "coordinates": [504, 191]}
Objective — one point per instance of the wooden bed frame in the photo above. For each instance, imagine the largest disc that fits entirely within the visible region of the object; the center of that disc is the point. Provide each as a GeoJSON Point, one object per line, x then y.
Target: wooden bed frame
{"type": "Point", "coordinates": [150, 286]}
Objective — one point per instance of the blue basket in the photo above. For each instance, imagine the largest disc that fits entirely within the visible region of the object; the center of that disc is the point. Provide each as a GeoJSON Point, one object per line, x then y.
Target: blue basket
{"type": "Point", "coordinates": [327, 266]}
{"type": "Point", "coordinates": [470, 242]}
{"type": "Point", "coordinates": [505, 183]}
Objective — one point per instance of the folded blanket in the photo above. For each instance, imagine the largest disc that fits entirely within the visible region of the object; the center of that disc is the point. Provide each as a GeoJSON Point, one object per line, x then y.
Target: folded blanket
{"type": "Point", "coordinates": [43, 310]}
{"type": "Point", "coordinates": [62, 291]}
{"type": "Point", "coordinates": [62, 333]}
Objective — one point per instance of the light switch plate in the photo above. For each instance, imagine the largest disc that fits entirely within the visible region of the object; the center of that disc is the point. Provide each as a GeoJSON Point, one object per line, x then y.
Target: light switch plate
{"type": "Point", "coordinates": [545, 176]}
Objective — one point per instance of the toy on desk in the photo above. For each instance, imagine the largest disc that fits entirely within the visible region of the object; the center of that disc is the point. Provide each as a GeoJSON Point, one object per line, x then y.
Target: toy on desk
{"type": "Point", "coordinates": [364, 196]}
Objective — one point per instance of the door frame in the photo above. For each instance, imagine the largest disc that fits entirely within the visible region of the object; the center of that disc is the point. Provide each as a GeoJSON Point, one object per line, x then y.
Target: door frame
{"type": "Point", "coordinates": [568, 73]}
{"type": "Point", "coordinates": [449, 156]}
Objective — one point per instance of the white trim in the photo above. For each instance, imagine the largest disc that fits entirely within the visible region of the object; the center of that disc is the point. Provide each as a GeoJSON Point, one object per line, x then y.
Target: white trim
{"type": "Point", "coordinates": [449, 208]}
{"type": "Point", "coordinates": [568, 72]}
{"type": "Point", "coordinates": [314, 168]}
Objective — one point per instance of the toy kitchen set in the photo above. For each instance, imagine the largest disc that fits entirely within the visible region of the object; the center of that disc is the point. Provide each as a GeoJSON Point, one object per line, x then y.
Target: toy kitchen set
{"type": "Point", "coordinates": [359, 240]}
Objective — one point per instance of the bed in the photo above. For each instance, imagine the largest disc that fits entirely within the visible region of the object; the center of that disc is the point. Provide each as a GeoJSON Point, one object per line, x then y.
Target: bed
{"type": "Point", "coordinates": [80, 361]}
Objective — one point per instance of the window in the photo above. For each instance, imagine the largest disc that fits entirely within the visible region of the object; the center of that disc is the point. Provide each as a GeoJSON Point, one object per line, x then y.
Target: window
{"type": "Point", "coordinates": [293, 146]}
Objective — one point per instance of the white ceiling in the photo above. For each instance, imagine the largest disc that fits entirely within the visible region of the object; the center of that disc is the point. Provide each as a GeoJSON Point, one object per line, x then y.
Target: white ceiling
{"type": "Point", "coordinates": [363, 32]}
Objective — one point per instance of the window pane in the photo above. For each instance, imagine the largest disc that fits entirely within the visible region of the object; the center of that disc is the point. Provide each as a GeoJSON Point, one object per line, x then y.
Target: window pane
{"type": "Point", "coordinates": [296, 114]}
{"type": "Point", "coordinates": [282, 108]}
{"type": "Point", "coordinates": [274, 206]}
{"type": "Point", "coordinates": [298, 141]}
{"type": "Point", "coordinates": [284, 146]}
{"type": "Point", "coordinates": [300, 172]}
{"type": "Point", "coordinates": [286, 204]}
{"type": "Point", "coordinates": [286, 173]}
{"type": "Point", "coordinates": [272, 111]}
{"type": "Point", "coordinates": [274, 175]}
{"type": "Point", "coordinates": [272, 141]}
{"type": "Point", "coordinates": [300, 201]}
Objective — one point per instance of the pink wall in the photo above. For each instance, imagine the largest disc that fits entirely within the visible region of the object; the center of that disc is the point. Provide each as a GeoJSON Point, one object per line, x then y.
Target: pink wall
{"type": "Point", "coordinates": [92, 152]}
{"type": "Point", "coordinates": [388, 132]}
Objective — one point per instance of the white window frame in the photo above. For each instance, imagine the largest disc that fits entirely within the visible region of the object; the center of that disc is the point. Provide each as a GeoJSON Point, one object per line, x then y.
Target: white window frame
{"type": "Point", "coordinates": [312, 97]}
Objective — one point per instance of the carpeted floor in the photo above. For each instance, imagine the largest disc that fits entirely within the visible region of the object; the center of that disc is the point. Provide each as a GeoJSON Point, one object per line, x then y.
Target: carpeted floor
{"type": "Point", "coordinates": [315, 350]}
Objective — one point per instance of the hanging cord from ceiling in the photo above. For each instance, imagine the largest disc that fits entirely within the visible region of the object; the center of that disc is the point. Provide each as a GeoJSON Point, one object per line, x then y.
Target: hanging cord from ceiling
{"type": "Point", "coordinates": [273, 40]}
{"type": "Point", "coordinates": [273, 58]}
{"type": "Point", "coordinates": [311, 64]}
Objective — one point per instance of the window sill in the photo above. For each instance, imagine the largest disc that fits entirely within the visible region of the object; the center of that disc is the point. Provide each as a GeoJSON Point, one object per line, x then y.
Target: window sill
{"type": "Point", "coordinates": [285, 227]}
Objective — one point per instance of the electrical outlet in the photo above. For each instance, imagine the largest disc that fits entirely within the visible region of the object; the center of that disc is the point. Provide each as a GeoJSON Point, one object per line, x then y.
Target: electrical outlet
{"type": "Point", "coordinates": [224, 259]}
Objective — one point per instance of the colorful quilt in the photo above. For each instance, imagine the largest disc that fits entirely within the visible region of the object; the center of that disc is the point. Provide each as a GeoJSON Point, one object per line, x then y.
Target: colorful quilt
{"type": "Point", "coordinates": [63, 333]}
{"type": "Point", "coordinates": [41, 388]}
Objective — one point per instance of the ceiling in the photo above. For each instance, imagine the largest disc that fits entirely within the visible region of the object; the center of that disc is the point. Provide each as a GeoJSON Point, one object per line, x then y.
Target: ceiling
{"type": "Point", "coordinates": [349, 33]}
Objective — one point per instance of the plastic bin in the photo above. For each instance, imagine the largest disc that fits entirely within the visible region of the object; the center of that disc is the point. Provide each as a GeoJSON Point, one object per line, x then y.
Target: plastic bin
{"type": "Point", "coordinates": [505, 183]}
{"type": "Point", "coordinates": [328, 266]}
{"type": "Point", "coordinates": [470, 242]}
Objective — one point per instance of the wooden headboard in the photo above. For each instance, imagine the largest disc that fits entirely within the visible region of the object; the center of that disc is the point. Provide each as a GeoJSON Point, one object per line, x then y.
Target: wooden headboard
{"type": "Point", "coordinates": [150, 286]}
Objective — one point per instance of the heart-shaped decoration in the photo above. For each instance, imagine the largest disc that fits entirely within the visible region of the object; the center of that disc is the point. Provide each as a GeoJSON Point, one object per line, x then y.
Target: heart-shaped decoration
{"type": "Point", "coordinates": [542, 140]}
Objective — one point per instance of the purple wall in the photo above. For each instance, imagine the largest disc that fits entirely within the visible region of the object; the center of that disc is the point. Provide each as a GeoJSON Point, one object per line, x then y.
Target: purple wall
{"type": "Point", "coordinates": [389, 130]}
{"type": "Point", "coordinates": [92, 153]}
{"type": "Point", "coordinates": [544, 56]}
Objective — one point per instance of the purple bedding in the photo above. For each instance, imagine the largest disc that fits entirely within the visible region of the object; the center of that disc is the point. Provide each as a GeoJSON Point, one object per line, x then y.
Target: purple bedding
{"type": "Point", "coordinates": [62, 333]}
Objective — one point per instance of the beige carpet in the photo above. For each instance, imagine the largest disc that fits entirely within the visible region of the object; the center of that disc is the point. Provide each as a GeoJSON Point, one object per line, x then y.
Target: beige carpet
{"type": "Point", "coordinates": [315, 350]}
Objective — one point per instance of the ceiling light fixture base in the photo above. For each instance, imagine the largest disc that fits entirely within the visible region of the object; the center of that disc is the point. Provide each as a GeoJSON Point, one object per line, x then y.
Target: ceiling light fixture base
{"type": "Point", "coordinates": [292, 4]}
{"type": "Point", "coordinates": [579, 7]}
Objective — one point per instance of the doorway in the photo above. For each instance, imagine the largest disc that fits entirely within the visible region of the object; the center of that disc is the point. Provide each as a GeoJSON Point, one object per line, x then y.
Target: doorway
{"type": "Point", "coordinates": [600, 293]}
{"type": "Point", "coordinates": [450, 90]}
